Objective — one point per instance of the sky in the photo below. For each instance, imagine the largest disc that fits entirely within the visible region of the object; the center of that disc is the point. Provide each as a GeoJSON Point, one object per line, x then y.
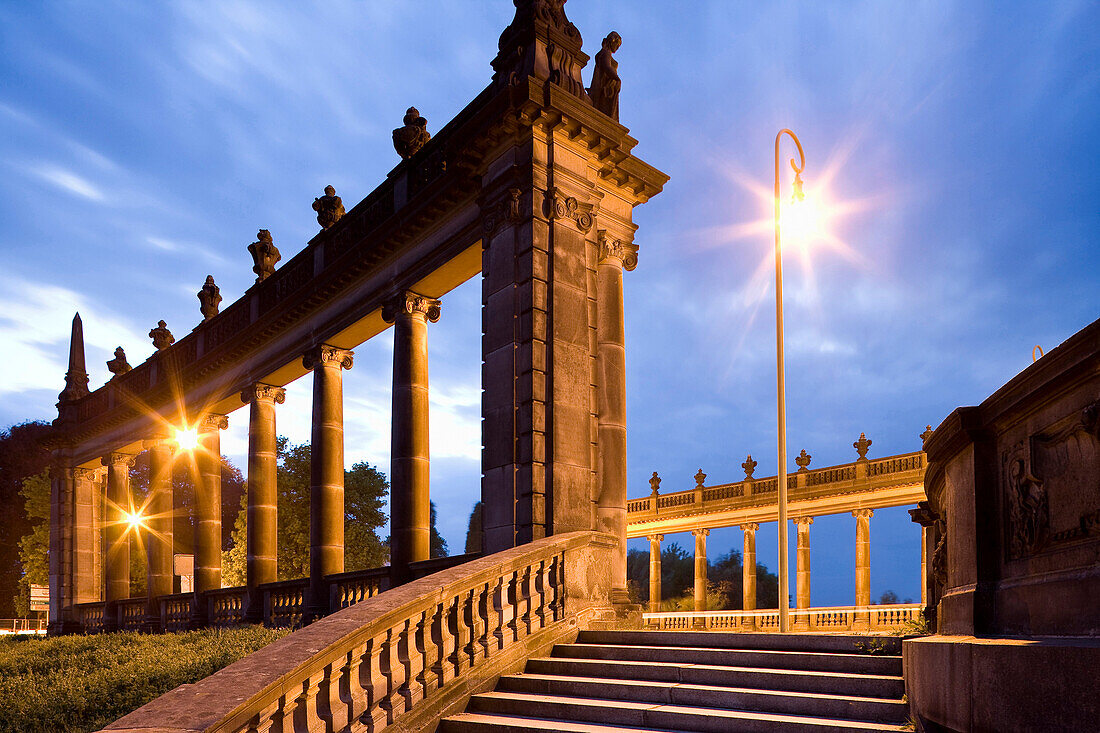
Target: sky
{"type": "Point", "coordinates": [142, 145]}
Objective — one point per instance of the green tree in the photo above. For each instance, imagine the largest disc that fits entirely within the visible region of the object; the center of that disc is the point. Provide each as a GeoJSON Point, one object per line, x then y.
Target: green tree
{"type": "Point", "coordinates": [724, 580]}
{"type": "Point", "coordinates": [473, 531]}
{"type": "Point", "coordinates": [35, 545]}
{"type": "Point", "coordinates": [438, 546]}
{"type": "Point", "coordinates": [21, 456]}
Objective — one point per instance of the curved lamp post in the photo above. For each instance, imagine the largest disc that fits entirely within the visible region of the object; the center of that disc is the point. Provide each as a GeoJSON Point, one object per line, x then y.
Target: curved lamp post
{"type": "Point", "coordinates": [784, 611]}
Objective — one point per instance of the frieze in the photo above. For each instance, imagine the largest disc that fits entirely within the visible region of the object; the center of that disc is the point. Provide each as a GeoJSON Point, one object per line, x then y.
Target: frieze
{"type": "Point", "coordinates": [226, 325]}
{"type": "Point", "coordinates": [289, 279]}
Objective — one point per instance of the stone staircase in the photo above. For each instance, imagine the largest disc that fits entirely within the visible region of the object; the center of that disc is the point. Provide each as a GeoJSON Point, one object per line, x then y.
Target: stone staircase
{"type": "Point", "coordinates": [699, 681]}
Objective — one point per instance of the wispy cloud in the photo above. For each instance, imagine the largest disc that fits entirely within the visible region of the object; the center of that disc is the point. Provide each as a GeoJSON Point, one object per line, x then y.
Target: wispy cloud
{"type": "Point", "coordinates": [68, 181]}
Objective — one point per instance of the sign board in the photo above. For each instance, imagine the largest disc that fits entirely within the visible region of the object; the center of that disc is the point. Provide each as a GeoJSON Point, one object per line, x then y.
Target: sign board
{"type": "Point", "coordinates": [183, 564]}
{"type": "Point", "coordinates": [40, 597]}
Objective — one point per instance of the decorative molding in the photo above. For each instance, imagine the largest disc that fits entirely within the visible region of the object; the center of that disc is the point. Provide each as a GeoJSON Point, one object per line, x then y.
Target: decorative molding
{"type": "Point", "coordinates": [411, 136]}
{"type": "Point", "coordinates": [863, 513]}
{"type": "Point", "coordinates": [926, 434]}
{"type": "Point", "coordinates": [84, 474]}
{"type": "Point", "coordinates": [118, 365]}
{"type": "Point", "coordinates": [751, 527]}
{"type": "Point", "coordinates": [655, 538]}
{"type": "Point", "coordinates": [115, 459]}
{"type": "Point", "coordinates": [162, 337]}
{"type": "Point", "coordinates": [802, 460]}
{"type": "Point", "coordinates": [212, 422]}
{"type": "Point", "coordinates": [749, 465]}
{"type": "Point", "coordinates": [700, 477]}
{"type": "Point", "coordinates": [804, 520]}
{"type": "Point", "coordinates": [861, 446]}
{"type": "Point", "coordinates": [325, 355]}
{"type": "Point", "coordinates": [508, 209]}
{"type": "Point", "coordinates": [700, 532]}
{"type": "Point", "coordinates": [616, 251]}
{"type": "Point", "coordinates": [261, 392]}
{"type": "Point", "coordinates": [559, 206]}
{"type": "Point", "coordinates": [329, 208]}
{"type": "Point", "coordinates": [540, 42]}
{"type": "Point", "coordinates": [410, 303]}
{"type": "Point", "coordinates": [210, 297]}
{"type": "Point", "coordinates": [264, 255]}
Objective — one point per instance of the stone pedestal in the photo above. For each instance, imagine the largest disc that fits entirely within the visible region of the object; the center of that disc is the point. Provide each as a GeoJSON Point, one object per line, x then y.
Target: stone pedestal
{"type": "Point", "coordinates": [410, 468]}
{"type": "Point", "coordinates": [326, 490]}
{"type": "Point", "coordinates": [262, 512]}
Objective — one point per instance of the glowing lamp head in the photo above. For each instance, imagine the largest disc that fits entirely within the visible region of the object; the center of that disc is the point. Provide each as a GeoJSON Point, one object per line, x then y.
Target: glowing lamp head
{"type": "Point", "coordinates": [187, 438]}
{"type": "Point", "coordinates": [803, 221]}
{"type": "Point", "coordinates": [134, 520]}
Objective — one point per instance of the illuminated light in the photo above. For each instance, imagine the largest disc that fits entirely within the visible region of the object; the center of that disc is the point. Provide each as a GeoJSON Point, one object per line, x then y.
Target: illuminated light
{"type": "Point", "coordinates": [803, 222]}
{"type": "Point", "coordinates": [187, 438]}
{"type": "Point", "coordinates": [135, 520]}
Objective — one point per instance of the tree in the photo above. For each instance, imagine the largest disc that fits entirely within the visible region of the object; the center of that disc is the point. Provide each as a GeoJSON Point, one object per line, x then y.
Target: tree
{"type": "Point", "coordinates": [889, 597]}
{"type": "Point", "coordinates": [34, 546]}
{"type": "Point", "coordinates": [21, 456]}
{"type": "Point", "coordinates": [725, 576]}
{"type": "Point", "coordinates": [365, 490]}
{"type": "Point", "coordinates": [473, 532]}
{"type": "Point", "coordinates": [438, 546]}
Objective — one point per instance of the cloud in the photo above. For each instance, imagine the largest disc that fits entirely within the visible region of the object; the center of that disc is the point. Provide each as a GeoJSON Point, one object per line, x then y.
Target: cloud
{"type": "Point", "coordinates": [68, 181]}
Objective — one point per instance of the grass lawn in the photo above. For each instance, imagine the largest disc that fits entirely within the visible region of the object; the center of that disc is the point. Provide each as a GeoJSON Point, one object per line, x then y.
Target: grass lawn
{"type": "Point", "coordinates": [82, 683]}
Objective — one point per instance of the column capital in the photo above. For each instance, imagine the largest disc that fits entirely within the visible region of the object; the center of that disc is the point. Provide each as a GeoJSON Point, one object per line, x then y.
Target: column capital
{"type": "Point", "coordinates": [84, 474]}
{"type": "Point", "coordinates": [210, 423]}
{"type": "Point", "coordinates": [325, 355]}
{"type": "Point", "coordinates": [558, 205]}
{"type": "Point", "coordinates": [261, 392]}
{"type": "Point", "coordinates": [863, 513]}
{"type": "Point", "coordinates": [655, 537]}
{"type": "Point", "coordinates": [117, 459]}
{"type": "Point", "coordinates": [750, 527]}
{"type": "Point", "coordinates": [700, 532]}
{"type": "Point", "coordinates": [805, 520]}
{"type": "Point", "coordinates": [414, 304]}
{"type": "Point", "coordinates": [614, 251]}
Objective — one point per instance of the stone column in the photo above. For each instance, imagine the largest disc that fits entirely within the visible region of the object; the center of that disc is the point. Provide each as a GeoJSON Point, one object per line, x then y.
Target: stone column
{"type": "Point", "coordinates": [208, 512]}
{"type": "Point", "coordinates": [119, 506]}
{"type": "Point", "coordinates": [614, 256]}
{"type": "Point", "coordinates": [61, 546]}
{"type": "Point", "coordinates": [262, 513]}
{"type": "Point", "coordinates": [157, 534]}
{"type": "Point", "coordinates": [86, 583]}
{"type": "Point", "coordinates": [924, 566]}
{"type": "Point", "coordinates": [410, 476]}
{"type": "Point", "coordinates": [748, 571]}
{"type": "Point", "coordinates": [700, 568]}
{"type": "Point", "coordinates": [863, 565]}
{"type": "Point", "coordinates": [655, 572]}
{"type": "Point", "coordinates": [326, 490]}
{"type": "Point", "coordinates": [802, 570]}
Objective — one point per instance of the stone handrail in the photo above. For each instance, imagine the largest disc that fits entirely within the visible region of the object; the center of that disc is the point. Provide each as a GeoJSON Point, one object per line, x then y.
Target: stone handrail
{"type": "Point", "coordinates": [885, 617]}
{"type": "Point", "coordinates": [414, 653]}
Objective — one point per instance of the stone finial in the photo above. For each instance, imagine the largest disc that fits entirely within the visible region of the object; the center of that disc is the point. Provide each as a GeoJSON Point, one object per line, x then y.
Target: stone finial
{"type": "Point", "coordinates": [210, 297]}
{"type": "Point", "coordinates": [329, 208]}
{"type": "Point", "coordinates": [655, 484]}
{"type": "Point", "coordinates": [861, 446]}
{"type": "Point", "coordinates": [118, 365]}
{"type": "Point", "coordinates": [76, 378]}
{"type": "Point", "coordinates": [264, 255]}
{"type": "Point", "coordinates": [162, 337]}
{"type": "Point", "coordinates": [802, 460]}
{"type": "Point", "coordinates": [926, 434]}
{"type": "Point", "coordinates": [541, 43]}
{"type": "Point", "coordinates": [604, 91]}
{"type": "Point", "coordinates": [749, 465]}
{"type": "Point", "coordinates": [700, 477]}
{"type": "Point", "coordinates": [407, 140]}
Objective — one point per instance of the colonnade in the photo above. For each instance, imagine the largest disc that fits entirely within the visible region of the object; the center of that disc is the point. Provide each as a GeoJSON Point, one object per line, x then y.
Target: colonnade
{"type": "Point", "coordinates": [109, 561]}
{"type": "Point", "coordinates": [802, 566]}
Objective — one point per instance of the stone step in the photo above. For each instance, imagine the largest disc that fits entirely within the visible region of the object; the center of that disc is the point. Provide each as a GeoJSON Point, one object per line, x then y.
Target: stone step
{"type": "Point", "coordinates": [759, 658]}
{"type": "Point", "coordinates": [878, 644]}
{"type": "Point", "coordinates": [639, 715]}
{"type": "Point", "coordinates": [709, 696]}
{"type": "Point", "coordinates": [862, 685]}
{"type": "Point", "coordinates": [479, 722]}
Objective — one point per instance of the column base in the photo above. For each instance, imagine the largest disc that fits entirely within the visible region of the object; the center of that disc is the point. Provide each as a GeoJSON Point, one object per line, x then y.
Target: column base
{"type": "Point", "coordinates": [861, 621]}
{"type": "Point", "coordinates": [748, 624]}
{"type": "Point", "coordinates": [801, 623]}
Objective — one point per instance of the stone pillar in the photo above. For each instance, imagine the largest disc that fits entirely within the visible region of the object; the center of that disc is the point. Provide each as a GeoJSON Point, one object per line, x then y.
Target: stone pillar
{"type": "Point", "coordinates": [802, 570]}
{"type": "Point", "coordinates": [700, 568]}
{"type": "Point", "coordinates": [748, 571]}
{"type": "Point", "coordinates": [99, 527]}
{"type": "Point", "coordinates": [119, 506]}
{"type": "Point", "coordinates": [157, 535]}
{"type": "Point", "coordinates": [614, 256]}
{"type": "Point", "coordinates": [326, 490]}
{"type": "Point", "coordinates": [410, 501]}
{"type": "Point", "coordinates": [61, 546]}
{"type": "Point", "coordinates": [924, 566]}
{"type": "Point", "coordinates": [262, 513]}
{"type": "Point", "coordinates": [863, 565]}
{"type": "Point", "coordinates": [86, 582]}
{"type": "Point", "coordinates": [655, 572]}
{"type": "Point", "coordinates": [208, 512]}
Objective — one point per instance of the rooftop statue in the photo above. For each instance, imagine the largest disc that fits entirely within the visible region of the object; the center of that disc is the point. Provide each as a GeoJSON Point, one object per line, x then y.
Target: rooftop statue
{"type": "Point", "coordinates": [118, 365]}
{"type": "Point", "coordinates": [264, 254]}
{"type": "Point", "coordinates": [414, 135]}
{"type": "Point", "coordinates": [604, 91]}
{"type": "Point", "coordinates": [209, 298]}
{"type": "Point", "coordinates": [162, 337]}
{"type": "Point", "coordinates": [329, 207]}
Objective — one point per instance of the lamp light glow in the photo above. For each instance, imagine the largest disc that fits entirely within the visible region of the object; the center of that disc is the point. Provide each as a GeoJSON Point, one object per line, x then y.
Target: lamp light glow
{"type": "Point", "coordinates": [187, 438]}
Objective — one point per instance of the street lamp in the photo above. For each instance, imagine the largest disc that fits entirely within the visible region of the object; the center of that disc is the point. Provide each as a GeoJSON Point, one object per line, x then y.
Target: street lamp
{"type": "Point", "coordinates": [784, 611]}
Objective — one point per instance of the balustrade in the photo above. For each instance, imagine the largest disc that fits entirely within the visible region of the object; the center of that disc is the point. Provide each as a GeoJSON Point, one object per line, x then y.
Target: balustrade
{"type": "Point", "coordinates": [892, 617]}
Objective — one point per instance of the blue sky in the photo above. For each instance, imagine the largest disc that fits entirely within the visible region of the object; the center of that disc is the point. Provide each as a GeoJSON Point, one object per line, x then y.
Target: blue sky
{"type": "Point", "coordinates": [142, 146]}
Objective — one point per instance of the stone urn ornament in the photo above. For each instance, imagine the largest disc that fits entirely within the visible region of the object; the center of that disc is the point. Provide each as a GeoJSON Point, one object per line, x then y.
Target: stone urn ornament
{"type": "Point", "coordinates": [329, 208]}
{"type": "Point", "coordinates": [210, 297]}
{"type": "Point", "coordinates": [414, 135]}
{"type": "Point", "coordinates": [162, 337]}
{"type": "Point", "coordinates": [119, 365]}
{"type": "Point", "coordinates": [264, 254]}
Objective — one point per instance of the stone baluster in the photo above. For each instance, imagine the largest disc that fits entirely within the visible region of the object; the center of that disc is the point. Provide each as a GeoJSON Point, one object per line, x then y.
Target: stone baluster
{"type": "Point", "coordinates": [460, 630]}
{"type": "Point", "coordinates": [378, 679]}
{"type": "Point", "coordinates": [261, 513]}
{"type": "Point", "coordinates": [748, 571]}
{"type": "Point", "coordinates": [443, 634]}
{"type": "Point", "coordinates": [208, 512]}
{"type": "Point", "coordinates": [655, 572]}
{"type": "Point", "coordinates": [501, 615]}
{"type": "Point", "coordinates": [333, 694]}
{"type": "Point", "coordinates": [700, 570]}
{"type": "Point", "coordinates": [119, 509]}
{"type": "Point", "coordinates": [355, 687]}
{"type": "Point", "coordinates": [326, 489]}
{"type": "Point", "coordinates": [863, 566]}
{"type": "Point", "coordinates": [429, 648]}
{"type": "Point", "coordinates": [410, 502]}
{"type": "Point", "coordinates": [802, 570]}
{"type": "Point", "coordinates": [158, 538]}
{"type": "Point", "coordinates": [306, 713]}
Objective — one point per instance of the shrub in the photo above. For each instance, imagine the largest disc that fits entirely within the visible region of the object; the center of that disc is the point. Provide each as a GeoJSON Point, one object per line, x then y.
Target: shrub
{"type": "Point", "coordinates": [82, 683]}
